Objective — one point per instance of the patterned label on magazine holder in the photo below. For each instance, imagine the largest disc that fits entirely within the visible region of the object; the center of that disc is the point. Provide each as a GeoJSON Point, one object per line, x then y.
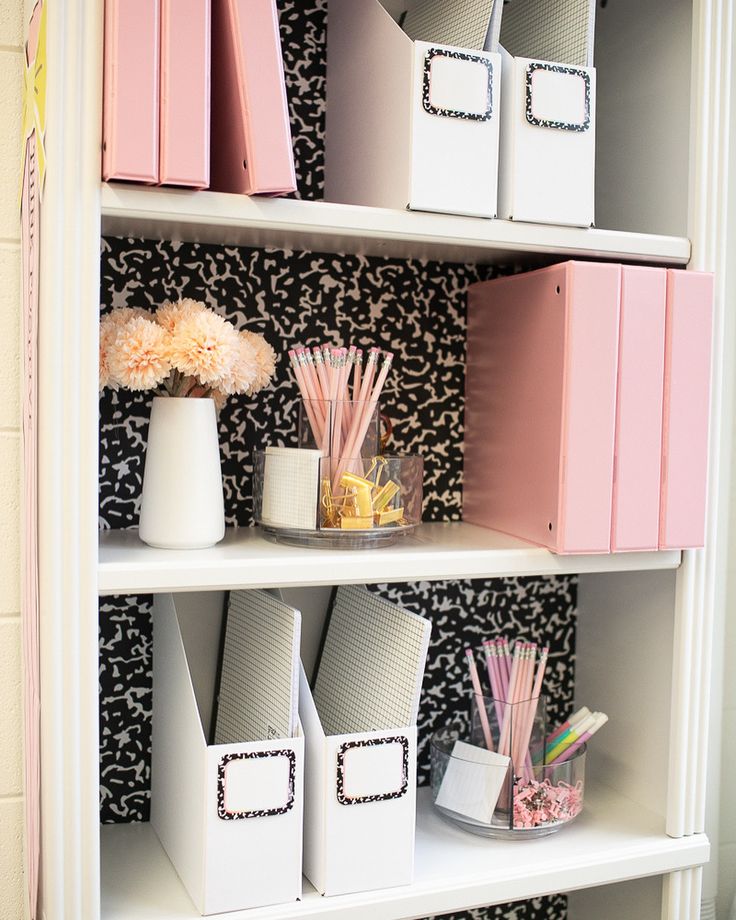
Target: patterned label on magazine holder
{"type": "Point", "coordinates": [433, 53]}
{"type": "Point", "coordinates": [344, 799]}
{"type": "Point", "coordinates": [226, 815]}
{"type": "Point", "coordinates": [551, 123]}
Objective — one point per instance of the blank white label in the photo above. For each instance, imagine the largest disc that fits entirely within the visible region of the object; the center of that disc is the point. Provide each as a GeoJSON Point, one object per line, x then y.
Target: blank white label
{"type": "Point", "coordinates": [558, 97]}
{"type": "Point", "coordinates": [373, 770]}
{"type": "Point", "coordinates": [460, 86]}
{"type": "Point", "coordinates": [257, 783]}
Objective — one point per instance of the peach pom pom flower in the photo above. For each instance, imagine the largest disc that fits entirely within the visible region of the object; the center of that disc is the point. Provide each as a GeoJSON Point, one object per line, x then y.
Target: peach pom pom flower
{"type": "Point", "coordinates": [138, 358]}
{"type": "Point", "coordinates": [184, 349]}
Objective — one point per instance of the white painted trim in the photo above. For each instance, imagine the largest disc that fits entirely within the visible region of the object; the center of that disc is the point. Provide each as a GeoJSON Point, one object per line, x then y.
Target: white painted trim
{"type": "Point", "coordinates": [701, 580]}
{"type": "Point", "coordinates": [68, 448]}
{"type": "Point", "coordinates": [68, 411]}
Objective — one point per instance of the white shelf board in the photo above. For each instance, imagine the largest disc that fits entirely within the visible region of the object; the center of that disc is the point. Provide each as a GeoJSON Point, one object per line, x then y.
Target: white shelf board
{"type": "Point", "coordinates": [433, 552]}
{"type": "Point", "coordinates": [613, 840]}
{"type": "Point", "coordinates": [236, 220]}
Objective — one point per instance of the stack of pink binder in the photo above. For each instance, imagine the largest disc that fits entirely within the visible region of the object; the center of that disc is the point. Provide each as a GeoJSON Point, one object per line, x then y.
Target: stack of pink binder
{"type": "Point", "coordinates": [587, 403]}
{"type": "Point", "coordinates": [166, 61]}
{"type": "Point", "coordinates": [156, 106]}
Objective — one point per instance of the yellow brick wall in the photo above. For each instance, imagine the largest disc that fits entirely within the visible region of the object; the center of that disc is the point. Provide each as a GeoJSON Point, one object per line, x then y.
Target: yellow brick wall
{"type": "Point", "coordinates": [11, 801]}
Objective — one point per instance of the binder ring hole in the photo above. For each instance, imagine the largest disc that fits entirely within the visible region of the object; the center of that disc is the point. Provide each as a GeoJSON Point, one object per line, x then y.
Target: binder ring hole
{"type": "Point", "coordinates": [550, 523]}
{"type": "Point", "coordinates": [557, 291]}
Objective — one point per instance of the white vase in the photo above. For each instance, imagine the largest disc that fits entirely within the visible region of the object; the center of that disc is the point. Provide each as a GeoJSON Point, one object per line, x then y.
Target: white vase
{"type": "Point", "coordinates": [182, 505]}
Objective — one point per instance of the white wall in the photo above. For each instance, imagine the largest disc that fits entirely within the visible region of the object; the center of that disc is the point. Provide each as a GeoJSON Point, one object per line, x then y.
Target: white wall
{"type": "Point", "coordinates": [11, 801]}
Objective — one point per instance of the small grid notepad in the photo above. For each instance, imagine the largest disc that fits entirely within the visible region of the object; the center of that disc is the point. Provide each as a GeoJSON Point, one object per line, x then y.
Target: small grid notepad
{"type": "Point", "coordinates": [291, 487]}
{"type": "Point", "coordinates": [463, 23]}
{"type": "Point", "coordinates": [259, 675]}
{"type": "Point", "coordinates": [372, 665]}
{"type": "Point", "coordinates": [561, 31]}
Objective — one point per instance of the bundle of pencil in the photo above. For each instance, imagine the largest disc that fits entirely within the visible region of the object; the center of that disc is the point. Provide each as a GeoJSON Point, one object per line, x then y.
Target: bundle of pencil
{"type": "Point", "coordinates": [339, 409]}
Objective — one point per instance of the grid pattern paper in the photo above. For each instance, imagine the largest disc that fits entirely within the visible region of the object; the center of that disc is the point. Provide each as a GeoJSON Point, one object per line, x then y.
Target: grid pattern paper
{"type": "Point", "coordinates": [372, 665]}
{"type": "Point", "coordinates": [259, 677]}
{"type": "Point", "coordinates": [561, 31]}
{"type": "Point", "coordinates": [463, 23]}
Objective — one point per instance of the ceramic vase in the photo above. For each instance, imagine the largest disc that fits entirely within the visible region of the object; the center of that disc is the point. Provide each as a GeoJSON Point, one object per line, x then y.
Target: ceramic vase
{"type": "Point", "coordinates": [182, 504]}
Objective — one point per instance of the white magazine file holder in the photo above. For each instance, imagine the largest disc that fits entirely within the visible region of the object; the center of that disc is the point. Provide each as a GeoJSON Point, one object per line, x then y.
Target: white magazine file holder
{"type": "Point", "coordinates": [360, 805]}
{"type": "Point", "coordinates": [547, 148]}
{"type": "Point", "coordinates": [228, 815]}
{"type": "Point", "coordinates": [408, 123]}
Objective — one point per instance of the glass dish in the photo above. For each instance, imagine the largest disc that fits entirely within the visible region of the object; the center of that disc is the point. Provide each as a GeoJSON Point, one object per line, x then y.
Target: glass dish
{"type": "Point", "coordinates": [305, 499]}
{"type": "Point", "coordinates": [500, 796]}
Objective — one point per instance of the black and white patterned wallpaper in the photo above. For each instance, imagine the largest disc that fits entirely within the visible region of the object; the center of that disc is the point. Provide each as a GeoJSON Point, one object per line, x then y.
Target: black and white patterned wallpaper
{"type": "Point", "coordinates": [303, 27]}
{"type": "Point", "coordinates": [416, 309]}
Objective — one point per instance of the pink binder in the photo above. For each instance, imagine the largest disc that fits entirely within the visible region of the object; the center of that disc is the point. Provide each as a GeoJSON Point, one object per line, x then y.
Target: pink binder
{"type": "Point", "coordinates": [540, 405]}
{"type": "Point", "coordinates": [251, 139]}
{"type": "Point", "coordinates": [686, 409]}
{"type": "Point", "coordinates": [185, 93]}
{"type": "Point", "coordinates": [638, 453]}
{"type": "Point", "coordinates": [131, 79]}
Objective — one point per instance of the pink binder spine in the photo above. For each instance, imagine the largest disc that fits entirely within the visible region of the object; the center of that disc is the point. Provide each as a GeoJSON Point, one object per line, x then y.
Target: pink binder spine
{"type": "Point", "coordinates": [131, 91]}
{"type": "Point", "coordinates": [185, 93]}
{"type": "Point", "coordinates": [637, 467]}
{"type": "Point", "coordinates": [588, 427]}
{"type": "Point", "coordinates": [686, 409]}
{"type": "Point", "coordinates": [251, 137]}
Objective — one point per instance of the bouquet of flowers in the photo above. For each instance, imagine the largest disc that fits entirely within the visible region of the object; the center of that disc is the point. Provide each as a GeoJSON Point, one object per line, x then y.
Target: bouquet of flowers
{"type": "Point", "coordinates": [183, 349]}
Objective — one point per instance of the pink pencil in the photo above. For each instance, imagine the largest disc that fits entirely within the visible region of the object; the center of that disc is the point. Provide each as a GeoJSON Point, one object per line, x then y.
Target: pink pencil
{"type": "Point", "coordinates": [494, 677]}
{"type": "Point", "coordinates": [475, 680]}
{"type": "Point", "coordinates": [319, 363]}
{"type": "Point", "coordinates": [356, 375]}
{"type": "Point", "coordinates": [502, 647]}
{"type": "Point", "coordinates": [503, 744]}
{"type": "Point", "coordinates": [347, 409]}
{"type": "Point", "coordinates": [330, 421]}
{"type": "Point", "coordinates": [362, 419]}
{"type": "Point", "coordinates": [337, 404]}
{"type": "Point", "coordinates": [532, 711]}
{"type": "Point", "coordinates": [301, 383]}
{"type": "Point", "coordinates": [520, 710]}
{"type": "Point", "coordinates": [310, 380]}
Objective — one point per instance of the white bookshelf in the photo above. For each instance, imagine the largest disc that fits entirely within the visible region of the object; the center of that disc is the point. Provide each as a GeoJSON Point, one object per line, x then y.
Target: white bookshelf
{"type": "Point", "coordinates": [320, 226]}
{"type": "Point", "coordinates": [612, 841]}
{"type": "Point", "coordinates": [434, 552]}
{"type": "Point", "coordinates": [653, 825]}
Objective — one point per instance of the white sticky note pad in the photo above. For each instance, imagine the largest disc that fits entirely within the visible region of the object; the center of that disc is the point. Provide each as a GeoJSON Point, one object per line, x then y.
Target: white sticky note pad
{"type": "Point", "coordinates": [291, 487]}
{"type": "Point", "coordinates": [472, 782]}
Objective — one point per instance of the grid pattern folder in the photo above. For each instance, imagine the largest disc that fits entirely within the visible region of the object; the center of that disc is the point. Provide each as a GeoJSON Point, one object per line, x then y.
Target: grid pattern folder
{"type": "Point", "coordinates": [372, 665]}
{"type": "Point", "coordinates": [259, 676]}
{"type": "Point", "coordinates": [562, 31]}
{"type": "Point", "coordinates": [636, 483]}
{"type": "Point", "coordinates": [686, 408]}
{"type": "Point", "coordinates": [540, 405]}
{"type": "Point", "coordinates": [251, 138]}
{"type": "Point", "coordinates": [130, 120]}
{"type": "Point", "coordinates": [463, 23]}
{"type": "Point", "coordinates": [185, 93]}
